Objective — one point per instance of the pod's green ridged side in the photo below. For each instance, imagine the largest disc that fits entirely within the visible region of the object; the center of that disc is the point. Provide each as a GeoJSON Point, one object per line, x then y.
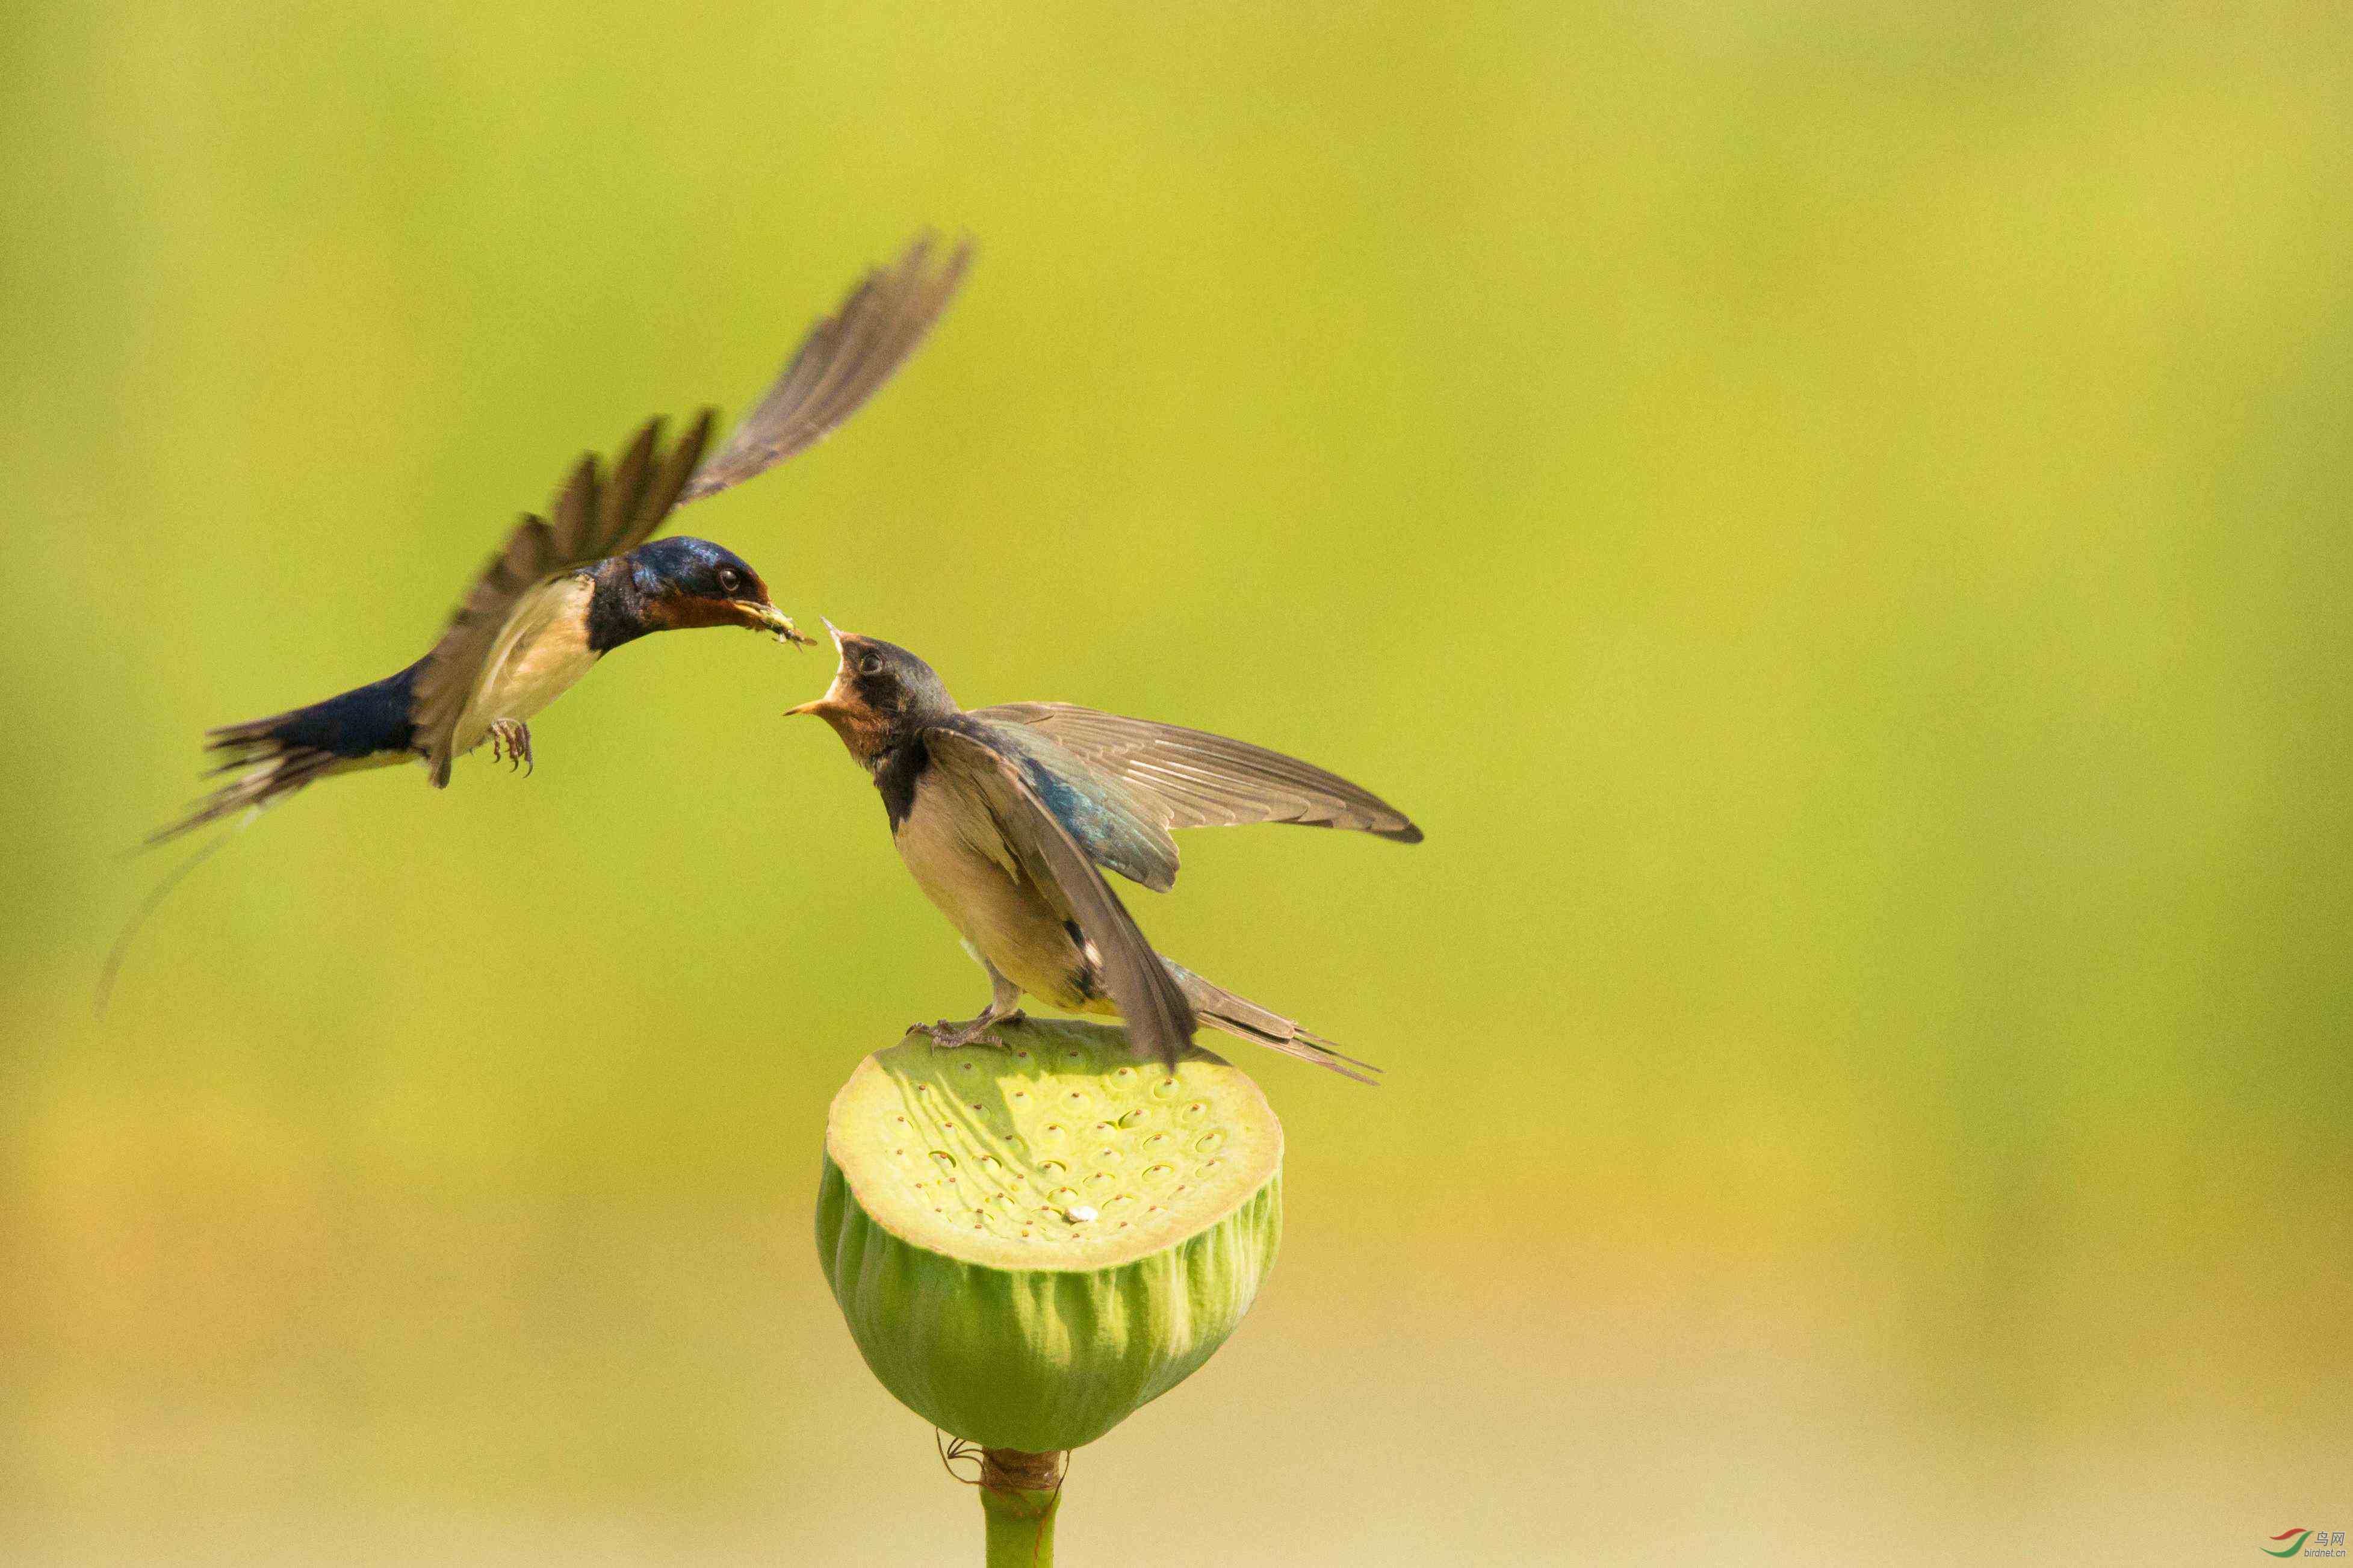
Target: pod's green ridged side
{"type": "Point", "coordinates": [945, 1224]}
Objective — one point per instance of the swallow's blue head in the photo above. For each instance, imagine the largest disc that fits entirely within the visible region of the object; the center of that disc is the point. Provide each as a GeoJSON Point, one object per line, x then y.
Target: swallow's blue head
{"type": "Point", "coordinates": [684, 583]}
{"type": "Point", "coordinates": [880, 695]}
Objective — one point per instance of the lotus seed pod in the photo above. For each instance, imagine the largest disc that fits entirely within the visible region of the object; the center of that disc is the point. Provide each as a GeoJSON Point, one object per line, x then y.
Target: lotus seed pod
{"type": "Point", "coordinates": [1030, 1243]}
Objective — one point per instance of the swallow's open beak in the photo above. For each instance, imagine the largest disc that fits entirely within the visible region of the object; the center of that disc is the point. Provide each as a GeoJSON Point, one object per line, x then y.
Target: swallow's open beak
{"type": "Point", "coordinates": [831, 703]}
{"type": "Point", "coordinates": [763, 616]}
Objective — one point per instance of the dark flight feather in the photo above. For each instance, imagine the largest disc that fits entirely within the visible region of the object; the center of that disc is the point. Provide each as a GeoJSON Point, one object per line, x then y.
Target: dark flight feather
{"type": "Point", "coordinates": [593, 517]}
{"type": "Point", "coordinates": [843, 362]}
{"type": "Point", "coordinates": [1195, 779]}
{"type": "Point", "coordinates": [1150, 1001]}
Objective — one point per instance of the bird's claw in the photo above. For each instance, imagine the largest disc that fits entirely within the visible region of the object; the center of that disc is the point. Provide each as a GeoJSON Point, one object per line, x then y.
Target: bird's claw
{"type": "Point", "coordinates": [516, 736]}
{"type": "Point", "coordinates": [947, 1034]}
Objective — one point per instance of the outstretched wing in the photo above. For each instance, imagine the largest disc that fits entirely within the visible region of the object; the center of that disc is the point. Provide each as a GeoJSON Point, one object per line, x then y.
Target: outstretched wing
{"type": "Point", "coordinates": [1199, 780]}
{"type": "Point", "coordinates": [843, 362]}
{"type": "Point", "coordinates": [1120, 830]}
{"type": "Point", "coordinates": [595, 515]}
{"type": "Point", "coordinates": [1150, 1002]}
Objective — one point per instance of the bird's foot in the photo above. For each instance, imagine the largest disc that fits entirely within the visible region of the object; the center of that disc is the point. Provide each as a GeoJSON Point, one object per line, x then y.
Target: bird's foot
{"type": "Point", "coordinates": [948, 1035]}
{"type": "Point", "coordinates": [516, 734]}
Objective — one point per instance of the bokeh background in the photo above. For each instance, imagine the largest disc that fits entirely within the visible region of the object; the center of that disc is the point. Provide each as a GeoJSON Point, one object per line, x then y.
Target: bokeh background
{"type": "Point", "coordinates": [1834, 516]}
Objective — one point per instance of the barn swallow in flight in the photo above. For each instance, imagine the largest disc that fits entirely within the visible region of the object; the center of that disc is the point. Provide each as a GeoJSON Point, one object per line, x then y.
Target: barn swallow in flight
{"type": "Point", "coordinates": [570, 587]}
{"type": "Point", "coordinates": [1008, 817]}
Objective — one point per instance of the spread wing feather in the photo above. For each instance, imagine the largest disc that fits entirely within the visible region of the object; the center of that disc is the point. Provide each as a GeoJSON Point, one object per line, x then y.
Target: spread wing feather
{"type": "Point", "coordinates": [593, 516]}
{"type": "Point", "coordinates": [1199, 780]}
{"type": "Point", "coordinates": [1150, 1002]}
{"type": "Point", "coordinates": [843, 362]}
{"type": "Point", "coordinates": [1120, 830]}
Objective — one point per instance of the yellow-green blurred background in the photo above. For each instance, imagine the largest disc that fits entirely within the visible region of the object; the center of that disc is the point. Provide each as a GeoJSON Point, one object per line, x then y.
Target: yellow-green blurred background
{"type": "Point", "coordinates": [1835, 517]}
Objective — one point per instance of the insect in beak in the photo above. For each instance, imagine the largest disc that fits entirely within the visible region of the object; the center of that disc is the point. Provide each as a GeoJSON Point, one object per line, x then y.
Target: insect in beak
{"type": "Point", "coordinates": [760, 615]}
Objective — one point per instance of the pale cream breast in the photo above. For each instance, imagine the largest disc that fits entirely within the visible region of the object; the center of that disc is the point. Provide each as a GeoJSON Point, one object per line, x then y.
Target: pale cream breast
{"type": "Point", "coordinates": [541, 653]}
{"type": "Point", "coordinates": [965, 868]}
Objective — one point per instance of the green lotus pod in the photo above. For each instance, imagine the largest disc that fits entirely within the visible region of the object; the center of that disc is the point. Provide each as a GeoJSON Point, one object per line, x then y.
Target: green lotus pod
{"type": "Point", "coordinates": [1030, 1243]}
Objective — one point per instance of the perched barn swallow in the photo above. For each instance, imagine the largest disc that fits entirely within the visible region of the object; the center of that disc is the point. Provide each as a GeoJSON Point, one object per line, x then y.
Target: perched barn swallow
{"type": "Point", "coordinates": [569, 588]}
{"type": "Point", "coordinates": [1008, 817]}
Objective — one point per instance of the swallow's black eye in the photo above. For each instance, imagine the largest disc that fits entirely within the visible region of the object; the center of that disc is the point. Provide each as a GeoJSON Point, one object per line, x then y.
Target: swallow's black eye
{"type": "Point", "coordinates": [870, 665]}
{"type": "Point", "coordinates": [729, 579]}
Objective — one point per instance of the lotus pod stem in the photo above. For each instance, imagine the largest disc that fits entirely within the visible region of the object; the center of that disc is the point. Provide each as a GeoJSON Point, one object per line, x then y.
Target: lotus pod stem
{"type": "Point", "coordinates": [1031, 1241]}
{"type": "Point", "coordinates": [1019, 1495]}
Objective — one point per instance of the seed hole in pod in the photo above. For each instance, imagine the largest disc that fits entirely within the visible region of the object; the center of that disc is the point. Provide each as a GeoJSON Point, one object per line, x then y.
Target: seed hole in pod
{"type": "Point", "coordinates": [990, 1162]}
{"type": "Point", "coordinates": [1124, 1075]}
{"type": "Point", "coordinates": [1123, 1225]}
{"type": "Point", "coordinates": [1075, 1098]}
{"type": "Point", "coordinates": [973, 1103]}
{"type": "Point", "coordinates": [1195, 1109]}
{"type": "Point", "coordinates": [1021, 1056]}
{"type": "Point", "coordinates": [1074, 1059]}
{"type": "Point", "coordinates": [943, 1159]}
{"type": "Point", "coordinates": [1135, 1118]}
{"type": "Point", "coordinates": [1165, 1089]}
{"type": "Point", "coordinates": [1157, 1142]}
{"type": "Point", "coordinates": [1208, 1164]}
{"type": "Point", "coordinates": [1158, 1173]}
{"type": "Point", "coordinates": [1102, 1180]}
{"type": "Point", "coordinates": [1017, 1146]}
{"type": "Point", "coordinates": [1062, 1197]}
{"type": "Point", "coordinates": [964, 1067]}
{"type": "Point", "coordinates": [1102, 1128]}
{"type": "Point", "coordinates": [1209, 1142]}
{"type": "Point", "coordinates": [1116, 1199]}
{"type": "Point", "coordinates": [923, 1091]}
{"type": "Point", "coordinates": [1156, 1209]}
{"type": "Point", "coordinates": [1051, 1167]}
{"type": "Point", "coordinates": [1056, 1130]}
{"type": "Point", "coordinates": [1025, 1235]}
{"type": "Point", "coordinates": [900, 1120]}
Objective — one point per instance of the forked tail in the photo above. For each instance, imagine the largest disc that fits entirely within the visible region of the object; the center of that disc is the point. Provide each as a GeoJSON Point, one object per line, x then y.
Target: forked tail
{"type": "Point", "coordinates": [1222, 1009]}
{"type": "Point", "coordinates": [273, 757]}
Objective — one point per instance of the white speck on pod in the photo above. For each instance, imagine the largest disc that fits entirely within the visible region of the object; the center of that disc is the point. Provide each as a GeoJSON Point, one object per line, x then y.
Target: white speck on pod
{"type": "Point", "coordinates": [1080, 1214]}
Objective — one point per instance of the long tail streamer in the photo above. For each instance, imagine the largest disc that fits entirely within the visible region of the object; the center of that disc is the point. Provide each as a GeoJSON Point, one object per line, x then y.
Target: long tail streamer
{"type": "Point", "coordinates": [147, 906]}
